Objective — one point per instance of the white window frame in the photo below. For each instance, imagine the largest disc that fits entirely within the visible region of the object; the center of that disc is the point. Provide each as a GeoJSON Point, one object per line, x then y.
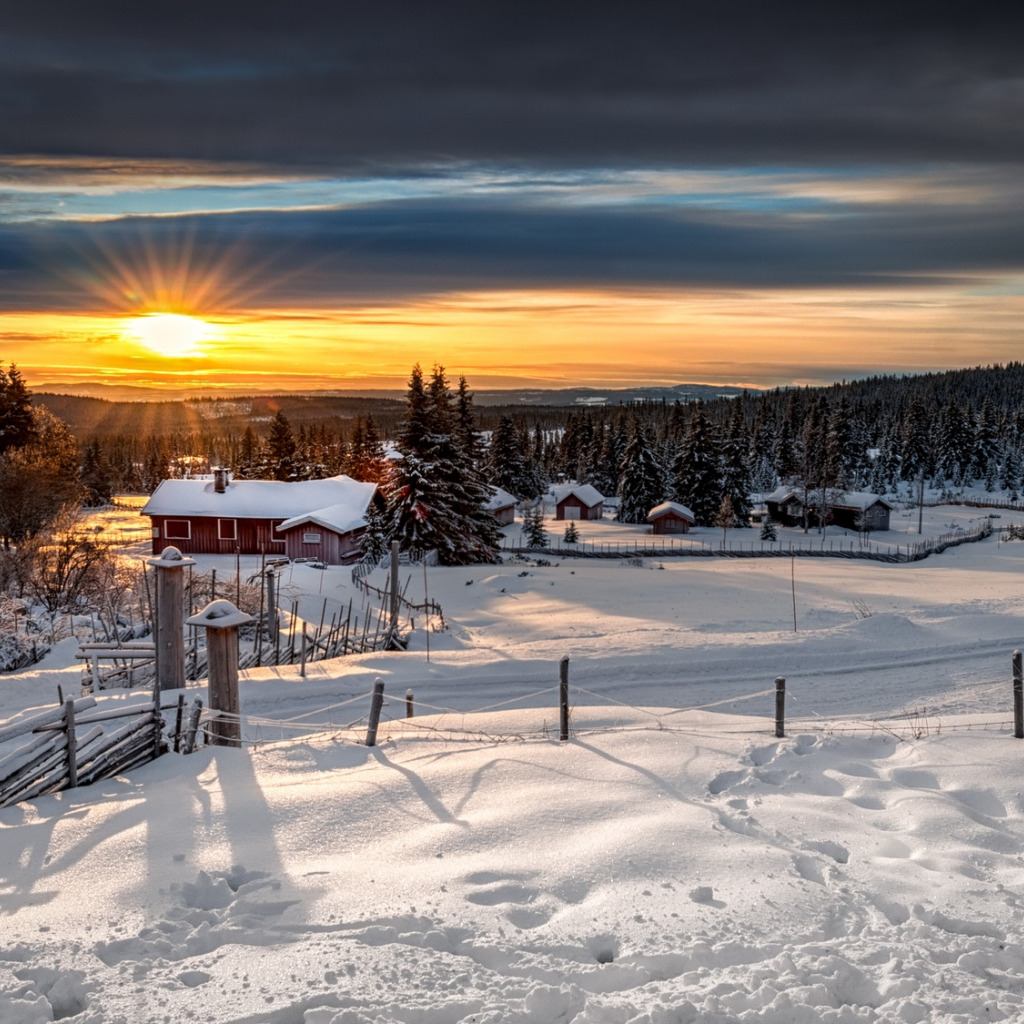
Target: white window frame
{"type": "Point", "coordinates": [220, 529]}
{"type": "Point", "coordinates": [168, 535]}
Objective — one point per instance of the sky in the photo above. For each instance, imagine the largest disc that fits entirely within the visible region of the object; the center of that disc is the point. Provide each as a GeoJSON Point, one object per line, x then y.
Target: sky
{"type": "Point", "coordinates": [244, 197]}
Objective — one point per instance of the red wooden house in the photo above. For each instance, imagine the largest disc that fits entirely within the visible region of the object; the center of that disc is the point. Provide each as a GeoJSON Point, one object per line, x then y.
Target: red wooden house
{"type": "Point", "coordinates": [578, 501]}
{"type": "Point", "coordinates": [316, 519]}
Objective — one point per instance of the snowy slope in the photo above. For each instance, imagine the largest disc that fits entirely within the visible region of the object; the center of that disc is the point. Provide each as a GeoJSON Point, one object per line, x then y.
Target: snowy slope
{"type": "Point", "coordinates": [664, 865]}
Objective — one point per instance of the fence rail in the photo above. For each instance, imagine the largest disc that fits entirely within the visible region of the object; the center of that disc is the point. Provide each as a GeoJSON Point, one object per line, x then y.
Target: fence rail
{"type": "Point", "coordinates": [768, 549]}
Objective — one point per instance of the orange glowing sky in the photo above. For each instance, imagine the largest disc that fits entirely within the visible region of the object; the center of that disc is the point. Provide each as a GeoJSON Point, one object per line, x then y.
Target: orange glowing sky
{"type": "Point", "coordinates": [528, 196]}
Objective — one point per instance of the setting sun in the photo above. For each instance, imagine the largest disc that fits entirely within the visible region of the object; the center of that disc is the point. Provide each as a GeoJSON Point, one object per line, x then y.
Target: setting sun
{"type": "Point", "coordinates": [172, 335]}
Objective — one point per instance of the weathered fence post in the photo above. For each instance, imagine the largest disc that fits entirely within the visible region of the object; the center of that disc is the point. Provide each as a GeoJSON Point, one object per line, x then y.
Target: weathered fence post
{"type": "Point", "coordinates": [193, 727]}
{"type": "Point", "coordinates": [409, 707]}
{"type": "Point", "coordinates": [168, 632]}
{"type": "Point", "coordinates": [1018, 696]}
{"type": "Point", "coordinates": [563, 698]}
{"type": "Point", "coordinates": [780, 707]}
{"type": "Point", "coordinates": [376, 704]}
{"type": "Point", "coordinates": [177, 722]}
{"type": "Point", "coordinates": [72, 752]}
{"type": "Point", "coordinates": [394, 588]}
{"type": "Point", "coordinates": [221, 620]}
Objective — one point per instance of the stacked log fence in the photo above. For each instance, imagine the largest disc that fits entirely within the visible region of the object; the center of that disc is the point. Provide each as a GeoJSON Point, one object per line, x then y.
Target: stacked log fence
{"type": "Point", "coordinates": [80, 742]}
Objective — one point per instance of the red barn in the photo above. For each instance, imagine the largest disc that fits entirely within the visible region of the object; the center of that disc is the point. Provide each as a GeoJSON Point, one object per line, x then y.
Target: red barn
{"type": "Point", "coordinates": [671, 517]}
{"type": "Point", "coordinates": [578, 501]}
{"type": "Point", "coordinates": [317, 519]}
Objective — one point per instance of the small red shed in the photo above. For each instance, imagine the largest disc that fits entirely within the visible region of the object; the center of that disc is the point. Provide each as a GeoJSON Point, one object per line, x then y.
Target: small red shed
{"type": "Point", "coordinates": [671, 517]}
{"type": "Point", "coordinates": [578, 501]}
{"type": "Point", "coordinates": [502, 506]}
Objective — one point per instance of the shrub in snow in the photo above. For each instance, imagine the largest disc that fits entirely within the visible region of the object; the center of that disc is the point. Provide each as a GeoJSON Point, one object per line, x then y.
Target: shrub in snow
{"type": "Point", "coordinates": [18, 651]}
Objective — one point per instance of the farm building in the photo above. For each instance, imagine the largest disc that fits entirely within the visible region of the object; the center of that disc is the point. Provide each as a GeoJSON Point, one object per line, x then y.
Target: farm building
{"type": "Point", "coordinates": [854, 510]}
{"type": "Point", "coordinates": [502, 506]}
{"type": "Point", "coordinates": [671, 517]}
{"type": "Point", "coordinates": [578, 501]}
{"type": "Point", "coordinates": [316, 519]}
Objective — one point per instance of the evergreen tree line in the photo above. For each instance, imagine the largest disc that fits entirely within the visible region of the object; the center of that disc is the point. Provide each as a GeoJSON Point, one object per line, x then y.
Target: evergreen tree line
{"type": "Point", "coordinates": [950, 430]}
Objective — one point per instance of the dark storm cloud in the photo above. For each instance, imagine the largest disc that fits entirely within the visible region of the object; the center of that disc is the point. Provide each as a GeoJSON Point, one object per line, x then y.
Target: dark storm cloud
{"type": "Point", "coordinates": [407, 250]}
{"type": "Point", "coordinates": [372, 85]}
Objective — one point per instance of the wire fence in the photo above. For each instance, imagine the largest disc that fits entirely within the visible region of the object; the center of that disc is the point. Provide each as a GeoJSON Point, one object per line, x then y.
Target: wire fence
{"type": "Point", "coordinates": [680, 548]}
{"type": "Point", "coordinates": [534, 716]}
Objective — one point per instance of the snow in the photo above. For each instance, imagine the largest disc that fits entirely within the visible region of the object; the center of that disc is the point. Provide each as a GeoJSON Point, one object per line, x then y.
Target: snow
{"type": "Point", "coordinates": [670, 506]}
{"type": "Point", "coordinates": [589, 495]}
{"type": "Point", "coordinates": [334, 500]}
{"type": "Point", "coordinates": [674, 861]}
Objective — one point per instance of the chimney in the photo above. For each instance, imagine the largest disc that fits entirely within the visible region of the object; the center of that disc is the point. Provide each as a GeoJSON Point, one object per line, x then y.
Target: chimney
{"type": "Point", "coordinates": [220, 480]}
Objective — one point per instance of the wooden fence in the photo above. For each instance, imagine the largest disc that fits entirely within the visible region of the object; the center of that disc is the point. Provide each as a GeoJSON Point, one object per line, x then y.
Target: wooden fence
{"type": "Point", "coordinates": [71, 746]}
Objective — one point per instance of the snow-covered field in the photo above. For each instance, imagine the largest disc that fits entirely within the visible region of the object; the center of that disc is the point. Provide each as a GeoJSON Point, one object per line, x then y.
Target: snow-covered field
{"type": "Point", "coordinates": [672, 862]}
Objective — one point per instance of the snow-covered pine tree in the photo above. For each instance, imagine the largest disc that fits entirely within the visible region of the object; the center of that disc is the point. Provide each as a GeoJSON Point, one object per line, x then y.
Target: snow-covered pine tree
{"type": "Point", "coordinates": [735, 467]}
{"type": "Point", "coordinates": [641, 485]}
{"type": "Point", "coordinates": [571, 535]}
{"type": "Point", "coordinates": [373, 544]}
{"type": "Point", "coordinates": [437, 498]}
{"type": "Point", "coordinates": [696, 470]}
{"type": "Point", "coordinates": [533, 527]}
{"type": "Point", "coordinates": [281, 449]}
{"type": "Point", "coordinates": [505, 463]}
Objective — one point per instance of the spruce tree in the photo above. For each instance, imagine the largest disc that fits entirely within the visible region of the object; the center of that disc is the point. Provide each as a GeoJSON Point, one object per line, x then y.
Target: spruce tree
{"type": "Point", "coordinates": [735, 472]}
{"type": "Point", "coordinates": [17, 424]}
{"type": "Point", "coordinates": [437, 499]}
{"type": "Point", "coordinates": [533, 527]}
{"type": "Point", "coordinates": [282, 450]}
{"type": "Point", "coordinates": [505, 462]}
{"type": "Point", "coordinates": [373, 544]}
{"type": "Point", "coordinates": [641, 486]}
{"type": "Point", "coordinates": [696, 470]}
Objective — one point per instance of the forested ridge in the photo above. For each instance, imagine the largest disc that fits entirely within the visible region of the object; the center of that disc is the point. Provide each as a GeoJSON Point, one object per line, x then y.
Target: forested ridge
{"type": "Point", "coordinates": [954, 429]}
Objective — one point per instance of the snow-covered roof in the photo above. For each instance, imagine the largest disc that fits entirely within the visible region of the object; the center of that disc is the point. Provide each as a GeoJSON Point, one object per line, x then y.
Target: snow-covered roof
{"type": "Point", "coordinates": [849, 499]}
{"type": "Point", "coordinates": [862, 500]}
{"type": "Point", "coordinates": [341, 517]}
{"type": "Point", "coordinates": [590, 496]}
{"type": "Point", "coordinates": [499, 499]}
{"type": "Point", "coordinates": [670, 506]}
{"type": "Point", "coordinates": [335, 503]}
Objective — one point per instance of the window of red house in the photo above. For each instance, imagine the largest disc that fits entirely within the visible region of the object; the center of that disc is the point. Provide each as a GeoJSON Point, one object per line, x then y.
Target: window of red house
{"type": "Point", "coordinates": [227, 529]}
{"type": "Point", "coordinates": [177, 529]}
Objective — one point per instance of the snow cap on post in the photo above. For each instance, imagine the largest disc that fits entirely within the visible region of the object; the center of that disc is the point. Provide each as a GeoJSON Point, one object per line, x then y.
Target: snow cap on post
{"type": "Point", "coordinates": [219, 614]}
{"type": "Point", "coordinates": [170, 558]}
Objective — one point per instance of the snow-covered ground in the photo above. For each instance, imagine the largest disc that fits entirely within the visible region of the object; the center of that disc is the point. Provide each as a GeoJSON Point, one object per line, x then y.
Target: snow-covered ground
{"type": "Point", "coordinates": [672, 862]}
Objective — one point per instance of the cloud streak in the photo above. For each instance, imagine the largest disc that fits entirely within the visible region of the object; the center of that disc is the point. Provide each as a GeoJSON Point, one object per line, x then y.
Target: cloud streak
{"type": "Point", "coordinates": [321, 163]}
{"type": "Point", "coordinates": [411, 84]}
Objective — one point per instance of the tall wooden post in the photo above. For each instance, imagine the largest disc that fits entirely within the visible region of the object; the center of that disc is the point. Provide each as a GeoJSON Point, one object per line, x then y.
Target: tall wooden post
{"type": "Point", "coordinates": [563, 698]}
{"type": "Point", "coordinates": [376, 704]}
{"type": "Point", "coordinates": [780, 707]}
{"type": "Point", "coordinates": [394, 588]}
{"type": "Point", "coordinates": [168, 628]}
{"type": "Point", "coordinates": [1018, 696]}
{"type": "Point", "coordinates": [273, 626]}
{"type": "Point", "coordinates": [221, 620]}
